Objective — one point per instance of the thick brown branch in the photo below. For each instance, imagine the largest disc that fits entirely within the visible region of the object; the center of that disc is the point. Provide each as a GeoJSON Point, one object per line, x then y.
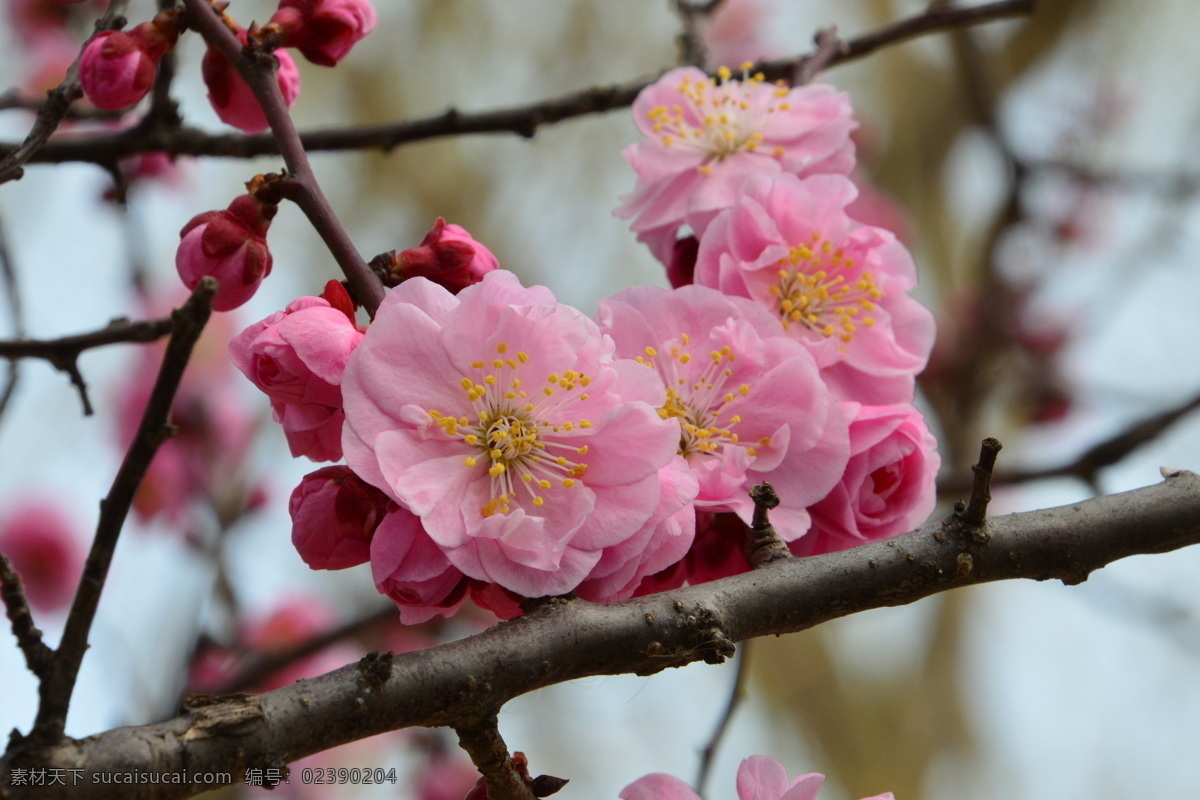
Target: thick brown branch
{"type": "Point", "coordinates": [458, 683]}
{"type": "Point", "coordinates": [523, 120]}
{"type": "Point", "coordinates": [58, 685]}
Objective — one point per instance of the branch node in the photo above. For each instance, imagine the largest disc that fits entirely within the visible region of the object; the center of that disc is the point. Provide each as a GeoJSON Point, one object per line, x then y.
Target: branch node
{"type": "Point", "coordinates": [763, 544]}
{"type": "Point", "coordinates": [505, 777]}
{"type": "Point", "coordinates": [976, 511]}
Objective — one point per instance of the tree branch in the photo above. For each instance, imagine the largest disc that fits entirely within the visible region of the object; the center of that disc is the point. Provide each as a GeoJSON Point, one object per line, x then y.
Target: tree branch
{"type": "Point", "coordinates": [490, 756]}
{"type": "Point", "coordinates": [9, 276]}
{"type": "Point", "coordinates": [58, 684]}
{"type": "Point", "coordinates": [258, 68]}
{"type": "Point", "coordinates": [29, 638]}
{"type": "Point", "coordinates": [523, 120]}
{"type": "Point", "coordinates": [64, 352]}
{"type": "Point", "coordinates": [456, 683]}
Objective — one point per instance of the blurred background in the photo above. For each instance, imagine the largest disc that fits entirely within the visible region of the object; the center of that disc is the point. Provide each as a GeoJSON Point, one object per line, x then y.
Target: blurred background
{"type": "Point", "coordinates": [1044, 172]}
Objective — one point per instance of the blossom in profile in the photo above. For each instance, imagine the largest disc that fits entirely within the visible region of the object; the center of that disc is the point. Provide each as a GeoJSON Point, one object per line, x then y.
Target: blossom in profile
{"type": "Point", "coordinates": [42, 546]}
{"type": "Point", "coordinates": [504, 422]}
{"type": "Point", "coordinates": [889, 486]}
{"type": "Point", "coordinates": [838, 287]}
{"type": "Point", "coordinates": [750, 400]}
{"type": "Point", "coordinates": [296, 357]}
{"type": "Point", "coordinates": [448, 255]}
{"type": "Point", "coordinates": [232, 98]}
{"type": "Point", "coordinates": [324, 31]}
{"type": "Point", "coordinates": [758, 778]}
{"type": "Point", "coordinates": [704, 136]}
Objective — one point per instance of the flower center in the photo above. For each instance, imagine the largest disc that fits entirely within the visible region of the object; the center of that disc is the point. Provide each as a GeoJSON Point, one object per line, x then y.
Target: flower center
{"type": "Point", "coordinates": [730, 115]}
{"type": "Point", "coordinates": [519, 441]}
{"type": "Point", "coordinates": [706, 412]}
{"type": "Point", "coordinates": [823, 290]}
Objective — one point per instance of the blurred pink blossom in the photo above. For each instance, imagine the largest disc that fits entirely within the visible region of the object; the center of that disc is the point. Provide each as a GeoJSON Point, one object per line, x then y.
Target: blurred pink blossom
{"type": "Point", "coordinates": [703, 137]}
{"type": "Point", "coordinates": [838, 287]}
{"type": "Point", "coordinates": [43, 547]}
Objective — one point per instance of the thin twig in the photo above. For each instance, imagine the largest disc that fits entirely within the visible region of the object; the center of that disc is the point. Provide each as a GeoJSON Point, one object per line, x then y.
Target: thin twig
{"type": "Point", "coordinates": [58, 102]}
{"type": "Point", "coordinates": [829, 46]}
{"type": "Point", "coordinates": [64, 353]}
{"type": "Point", "coordinates": [523, 120]}
{"type": "Point", "coordinates": [1088, 465]}
{"type": "Point", "coordinates": [259, 68]}
{"type": "Point", "coordinates": [59, 684]}
{"type": "Point", "coordinates": [976, 510]}
{"type": "Point", "coordinates": [737, 693]}
{"type": "Point", "coordinates": [29, 638]}
{"type": "Point", "coordinates": [12, 99]}
{"type": "Point", "coordinates": [489, 754]}
{"type": "Point", "coordinates": [9, 276]}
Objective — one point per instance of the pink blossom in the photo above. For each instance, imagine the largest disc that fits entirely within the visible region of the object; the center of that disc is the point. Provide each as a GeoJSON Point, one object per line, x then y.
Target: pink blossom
{"type": "Point", "coordinates": [233, 99]}
{"type": "Point", "coordinates": [750, 400]}
{"type": "Point", "coordinates": [736, 32]}
{"type": "Point", "coordinates": [324, 31]}
{"type": "Point", "coordinates": [448, 256]}
{"type": "Point", "coordinates": [758, 778]}
{"type": "Point", "coordinates": [502, 420]}
{"type": "Point", "coordinates": [838, 287]}
{"type": "Point", "coordinates": [334, 515]}
{"type": "Point", "coordinates": [229, 245]}
{"type": "Point", "coordinates": [117, 68]}
{"type": "Point", "coordinates": [412, 570]}
{"type": "Point", "coordinates": [704, 137]}
{"type": "Point", "coordinates": [889, 486]}
{"type": "Point", "coordinates": [42, 547]}
{"type": "Point", "coordinates": [297, 357]}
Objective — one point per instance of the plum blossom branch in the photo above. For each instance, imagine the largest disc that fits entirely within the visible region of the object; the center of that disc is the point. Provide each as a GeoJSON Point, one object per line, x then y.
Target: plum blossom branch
{"type": "Point", "coordinates": [58, 684]}
{"type": "Point", "coordinates": [763, 544]}
{"type": "Point", "coordinates": [523, 120]}
{"type": "Point", "coordinates": [63, 353]}
{"type": "Point", "coordinates": [976, 509]}
{"type": "Point", "coordinates": [58, 103]}
{"type": "Point", "coordinates": [258, 68]}
{"type": "Point", "coordinates": [459, 683]}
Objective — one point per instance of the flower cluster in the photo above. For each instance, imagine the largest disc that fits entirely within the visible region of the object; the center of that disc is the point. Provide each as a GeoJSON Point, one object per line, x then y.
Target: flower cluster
{"type": "Point", "coordinates": [117, 68]}
{"type": "Point", "coordinates": [758, 778]}
{"type": "Point", "coordinates": [500, 445]}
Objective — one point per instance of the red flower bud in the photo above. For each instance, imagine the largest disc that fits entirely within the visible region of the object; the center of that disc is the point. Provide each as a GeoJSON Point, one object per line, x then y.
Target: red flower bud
{"type": "Point", "coordinates": [324, 31]}
{"type": "Point", "coordinates": [334, 515]}
{"type": "Point", "coordinates": [448, 256]}
{"type": "Point", "coordinates": [117, 68]}
{"type": "Point", "coordinates": [229, 245]}
{"type": "Point", "coordinates": [232, 98]}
